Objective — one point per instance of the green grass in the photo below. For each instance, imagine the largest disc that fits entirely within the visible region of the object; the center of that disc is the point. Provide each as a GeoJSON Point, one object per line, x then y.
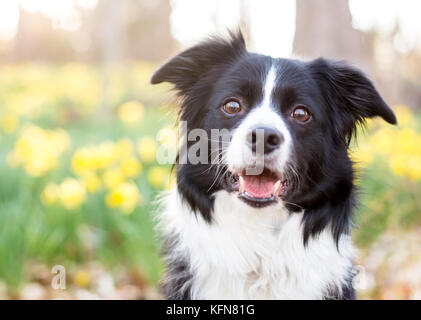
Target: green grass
{"type": "Point", "coordinates": [386, 202]}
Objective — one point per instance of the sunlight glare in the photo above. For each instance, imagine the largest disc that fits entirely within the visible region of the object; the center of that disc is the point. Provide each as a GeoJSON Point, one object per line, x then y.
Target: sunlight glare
{"type": "Point", "coordinates": [9, 18]}
{"type": "Point", "coordinates": [384, 15]}
{"type": "Point", "coordinates": [271, 22]}
{"type": "Point", "coordinates": [87, 4]}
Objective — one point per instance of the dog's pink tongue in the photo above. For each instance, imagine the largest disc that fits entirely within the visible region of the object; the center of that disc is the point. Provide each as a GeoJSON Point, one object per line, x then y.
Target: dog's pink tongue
{"type": "Point", "coordinates": [259, 186]}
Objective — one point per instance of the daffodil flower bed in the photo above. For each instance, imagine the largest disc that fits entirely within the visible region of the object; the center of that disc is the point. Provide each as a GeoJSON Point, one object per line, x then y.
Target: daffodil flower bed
{"type": "Point", "coordinates": [77, 186]}
{"type": "Point", "coordinates": [65, 170]}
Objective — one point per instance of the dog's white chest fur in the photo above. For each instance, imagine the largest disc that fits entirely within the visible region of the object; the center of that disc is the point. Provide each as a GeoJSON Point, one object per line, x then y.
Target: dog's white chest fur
{"type": "Point", "coordinates": [251, 253]}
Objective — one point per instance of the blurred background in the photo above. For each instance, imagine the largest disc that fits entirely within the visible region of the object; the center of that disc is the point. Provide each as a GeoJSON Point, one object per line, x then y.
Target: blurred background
{"type": "Point", "coordinates": [80, 125]}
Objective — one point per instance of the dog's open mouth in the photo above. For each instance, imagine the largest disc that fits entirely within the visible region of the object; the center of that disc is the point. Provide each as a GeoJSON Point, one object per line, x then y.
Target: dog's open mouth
{"type": "Point", "coordinates": [259, 190]}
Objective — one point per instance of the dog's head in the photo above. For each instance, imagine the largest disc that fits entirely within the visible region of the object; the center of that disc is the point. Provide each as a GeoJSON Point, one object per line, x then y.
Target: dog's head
{"type": "Point", "coordinates": [290, 123]}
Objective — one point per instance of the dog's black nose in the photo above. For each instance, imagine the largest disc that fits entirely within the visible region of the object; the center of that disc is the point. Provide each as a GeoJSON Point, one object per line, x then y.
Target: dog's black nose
{"type": "Point", "coordinates": [269, 137]}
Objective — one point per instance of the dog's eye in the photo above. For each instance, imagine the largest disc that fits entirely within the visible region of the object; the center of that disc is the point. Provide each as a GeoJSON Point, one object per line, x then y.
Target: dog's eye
{"type": "Point", "coordinates": [232, 107]}
{"type": "Point", "coordinates": [301, 114]}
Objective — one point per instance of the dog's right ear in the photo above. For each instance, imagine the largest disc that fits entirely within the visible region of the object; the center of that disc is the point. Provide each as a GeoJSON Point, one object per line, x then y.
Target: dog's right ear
{"type": "Point", "coordinates": [185, 69]}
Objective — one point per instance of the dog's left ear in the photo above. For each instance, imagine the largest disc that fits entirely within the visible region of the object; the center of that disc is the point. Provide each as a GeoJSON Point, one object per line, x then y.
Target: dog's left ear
{"type": "Point", "coordinates": [347, 89]}
{"type": "Point", "coordinates": [185, 69]}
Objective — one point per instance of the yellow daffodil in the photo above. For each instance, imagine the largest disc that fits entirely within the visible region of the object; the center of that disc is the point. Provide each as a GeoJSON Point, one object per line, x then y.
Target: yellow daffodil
{"type": "Point", "coordinates": [72, 193]}
{"type": "Point", "coordinates": [50, 194]}
{"type": "Point", "coordinates": [82, 278]}
{"type": "Point", "coordinates": [92, 158]}
{"type": "Point", "coordinates": [407, 139]}
{"type": "Point", "coordinates": [83, 161]}
{"type": "Point", "coordinates": [92, 182]}
{"type": "Point", "coordinates": [37, 149]}
{"type": "Point", "coordinates": [125, 196]}
{"type": "Point", "coordinates": [362, 156]}
{"type": "Point", "coordinates": [113, 177]}
{"type": "Point", "coordinates": [383, 140]}
{"type": "Point", "coordinates": [131, 167]}
{"type": "Point", "coordinates": [9, 123]}
{"type": "Point", "coordinates": [147, 149]}
{"type": "Point", "coordinates": [398, 164]}
{"type": "Point", "coordinates": [158, 177]}
{"type": "Point", "coordinates": [124, 148]}
{"type": "Point", "coordinates": [130, 112]}
{"type": "Point", "coordinates": [60, 139]}
{"type": "Point", "coordinates": [105, 154]}
{"type": "Point", "coordinates": [414, 168]}
{"type": "Point", "coordinates": [405, 116]}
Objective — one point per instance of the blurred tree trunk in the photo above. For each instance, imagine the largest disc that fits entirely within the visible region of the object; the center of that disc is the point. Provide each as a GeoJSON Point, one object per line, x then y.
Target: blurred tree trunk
{"type": "Point", "coordinates": [131, 29]}
{"type": "Point", "coordinates": [21, 41]}
{"type": "Point", "coordinates": [112, 30]}
{"type": "Point", "coordinates": [36, 41]}
{"type": "Point", "coordinates": [324, 28]}
{"type": "Point", "coordinates": [149, 29]}
{"type": "Point", "coordinates": [112, 42]}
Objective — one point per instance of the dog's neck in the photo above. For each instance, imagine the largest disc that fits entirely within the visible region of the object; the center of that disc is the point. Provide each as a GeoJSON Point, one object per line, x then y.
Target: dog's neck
{"type": "Point", "coordinates": [250, 253]}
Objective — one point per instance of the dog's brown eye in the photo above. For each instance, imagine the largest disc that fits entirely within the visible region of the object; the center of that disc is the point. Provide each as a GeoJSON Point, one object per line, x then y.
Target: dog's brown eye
{"type": "Point", "coordinates": [301, 114]}
{"type": "Point", "coordinates": [232, 107]}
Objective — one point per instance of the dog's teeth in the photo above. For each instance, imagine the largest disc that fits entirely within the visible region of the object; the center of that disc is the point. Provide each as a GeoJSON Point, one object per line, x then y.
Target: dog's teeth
{"type": "Point", "coordinates": [241, 183]}
{"type": "Point", "coordinates": [276, 187]}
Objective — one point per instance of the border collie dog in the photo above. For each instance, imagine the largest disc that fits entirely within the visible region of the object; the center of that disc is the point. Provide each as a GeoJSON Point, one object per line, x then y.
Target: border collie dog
{"type": "Point", "coordinates": [281, 232]}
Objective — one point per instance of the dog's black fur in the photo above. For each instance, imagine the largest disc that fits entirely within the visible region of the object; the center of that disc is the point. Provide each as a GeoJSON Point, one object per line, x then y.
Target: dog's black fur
{"type": "Point", "coordinates": [339, 97]}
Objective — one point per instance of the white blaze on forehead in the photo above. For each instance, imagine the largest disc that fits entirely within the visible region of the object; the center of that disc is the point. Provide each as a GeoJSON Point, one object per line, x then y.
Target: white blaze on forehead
{"type": "Point", "coordinates": [270, 82]}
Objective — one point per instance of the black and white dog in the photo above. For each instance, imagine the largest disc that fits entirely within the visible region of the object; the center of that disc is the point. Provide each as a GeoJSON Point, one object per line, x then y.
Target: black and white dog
{"type": "Point", "coordinates": [283, 233]}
